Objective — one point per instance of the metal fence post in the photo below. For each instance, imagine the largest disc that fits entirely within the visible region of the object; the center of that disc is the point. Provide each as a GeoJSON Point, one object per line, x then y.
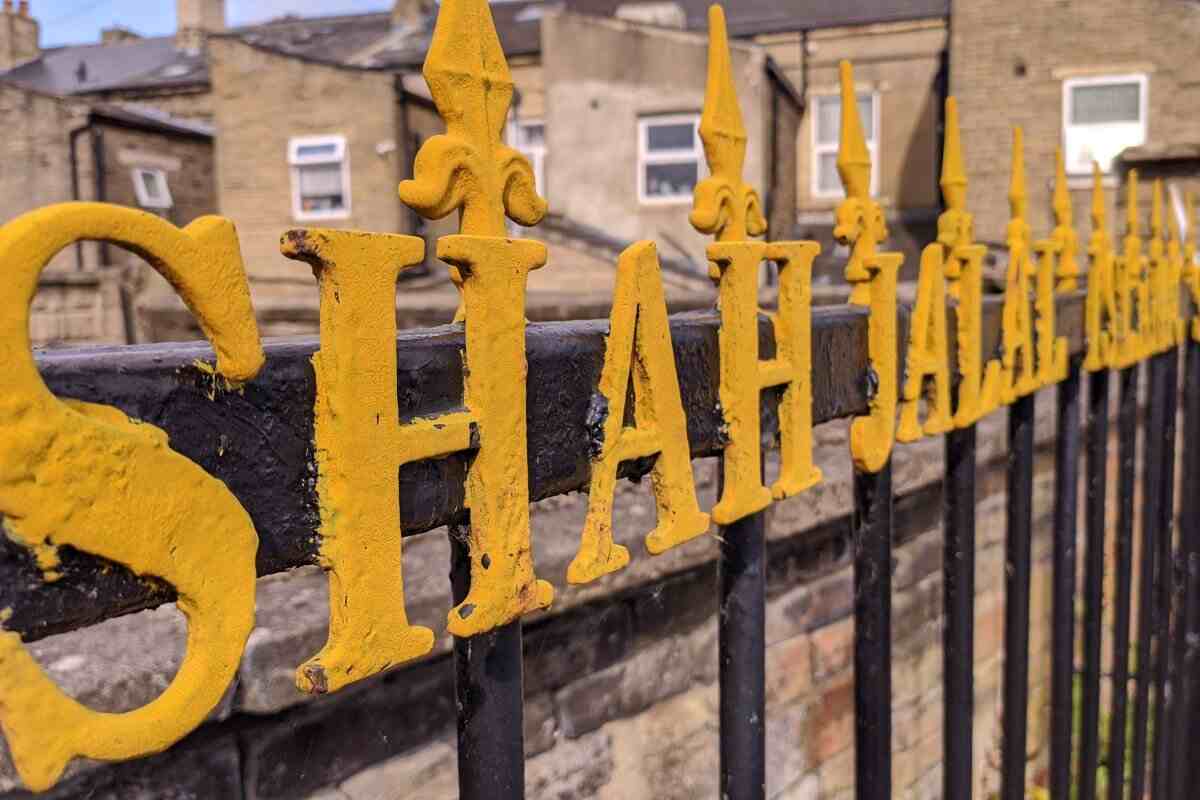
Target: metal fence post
{"type": "Point", "coordinates": [873, 633]}
{"type": "Point", "coordinates": [489, 692]}
{"type": "Point", "coordinates": [1016, 596]}
{"type": "Point", "coordinates": [1066, 509]}
{"type": "Point", "coordinates": [958, 638]}
{"type": "Point", "coordinates": [1093, 580]}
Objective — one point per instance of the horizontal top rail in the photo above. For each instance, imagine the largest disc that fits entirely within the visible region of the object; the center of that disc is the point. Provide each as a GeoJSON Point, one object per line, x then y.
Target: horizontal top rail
{"type": "Point", "coordinates": [258, 439]}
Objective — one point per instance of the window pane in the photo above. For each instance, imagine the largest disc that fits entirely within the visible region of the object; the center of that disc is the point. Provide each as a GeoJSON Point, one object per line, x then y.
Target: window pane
{"type": "Point", "coordinates": [305, 151]}
{"type": "Point", "coordinates": [829, 118]}
{"type": "Point", "coordinates": [152, 185]}
{"type": "Point", "coordinates": [672, 136]}
{"type": "Point", "coordinates": [532, 135]}
{"type": "Point", "coordinates": [1114, 102]}
{"type": "Point", "coordinates": [321, 187]}
{"type": "Point", "coordinates": [828, 181]}
{"type": "Point", "coordinates": [671, 180]}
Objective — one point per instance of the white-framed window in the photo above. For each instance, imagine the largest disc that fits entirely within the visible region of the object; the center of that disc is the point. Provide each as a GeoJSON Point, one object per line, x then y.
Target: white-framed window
{"type": "Point", "coordinates": [528, 137]}
{"type": "Point", "coordinates": [1102, 115]}
{"type": "Point", "coordinates": [826, 131]}
{"type": "Point", "coordinates": [150, 186]}
{"type": "Point", "coordinates": [669, 158]}
{"type": "Point", "coordinates": [320, 177]}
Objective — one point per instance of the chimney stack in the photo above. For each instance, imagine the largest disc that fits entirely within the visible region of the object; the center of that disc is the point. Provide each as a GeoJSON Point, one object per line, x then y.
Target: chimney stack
{"type": "Point", "coordinates": [19, 34]}
{"type": "Point", "coordinates": [195, 20]}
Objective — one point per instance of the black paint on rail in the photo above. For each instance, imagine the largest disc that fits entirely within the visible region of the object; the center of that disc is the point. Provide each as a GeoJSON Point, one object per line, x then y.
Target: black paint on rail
{"type": "Point", "coordinates": [1127, 418]}
{"type": "Point", "coordinates": [741, 631]}
{"type": "Point", "coordinates": [1093, 580]}
{"type": "Point", "coordinates": [258, 440]}
{"type": "Point", "coordinates": [873, 532]}
{"type": "Point", "coordinates": [958, 637]}
{"type": "Point", "coordinates": [1018, 547]}
{"type": "Point", "coordinates": [1066, 510]}
{"type": "Point", "coordinates": [1152, 496]}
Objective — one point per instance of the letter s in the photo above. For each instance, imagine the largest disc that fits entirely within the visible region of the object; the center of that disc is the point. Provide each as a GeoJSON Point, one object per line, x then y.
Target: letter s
{"type": "Point", "coordinates": [88, 477]}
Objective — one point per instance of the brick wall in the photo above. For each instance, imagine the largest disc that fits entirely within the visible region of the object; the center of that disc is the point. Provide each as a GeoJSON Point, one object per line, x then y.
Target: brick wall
{"type": "Point", "coordinates": [620, 680]}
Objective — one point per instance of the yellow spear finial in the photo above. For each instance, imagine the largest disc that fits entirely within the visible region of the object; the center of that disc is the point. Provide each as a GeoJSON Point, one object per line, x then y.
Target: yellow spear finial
{"type": "Point", "coordinates": [1099, 210]}
{"type": "Point", "coordinates": [954, 172]}
{"type": "Point", "coordinates": [1062, 198]}
{"type": "Point", "coordinates": [854, 159]}
{"type": "Point", "coordinates": [1017, 198]}
{"type": "Point", "coordinates": [1189, 211]}
{"type": "Point", "coordinates": [723, 203]}
{"type": "Point", "coordinates": [469, 167]}
{"type": "Point", "coordinates": [1132, 228]}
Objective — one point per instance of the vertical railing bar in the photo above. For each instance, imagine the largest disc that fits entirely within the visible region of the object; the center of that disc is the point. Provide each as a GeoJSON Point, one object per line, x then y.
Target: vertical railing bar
{"type": "Point", "coordinates": [741, 634]}
{"type": "Point", "coordinates": [1018, 546]}
{"type": "Point", "coordinates": [1151, 520]}
{"type": "Point", "coordinates": [1093, 580]}
{"type": "Point", "coordinates": [1165, 580]}
{"type": "Point", "coordinates": [958, 651]}
{"type": "Point", "coordinates": [872, 634]}
{"type": "Point", "coordinates": [1185, 769]}
{"type": "Point", "coordinates": [1066, 505]}
{"type": "Point", "coordinates": [489, 692]}
{"type": "Point", "coordinates": [1127, 416]}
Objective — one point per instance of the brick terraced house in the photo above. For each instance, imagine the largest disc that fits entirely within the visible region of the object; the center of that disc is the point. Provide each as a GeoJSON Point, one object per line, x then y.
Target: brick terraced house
{"type": "Point", "coordinates": [312, 121]}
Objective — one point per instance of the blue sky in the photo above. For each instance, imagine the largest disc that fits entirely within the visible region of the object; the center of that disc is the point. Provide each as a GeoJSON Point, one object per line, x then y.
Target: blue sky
{"type": "Point", "coordinates": [80, 21]}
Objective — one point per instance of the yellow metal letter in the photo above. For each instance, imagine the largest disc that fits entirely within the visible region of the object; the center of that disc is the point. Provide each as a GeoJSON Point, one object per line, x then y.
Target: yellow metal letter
{"type": "Point", "coordinates": [360, 446]}
{"type": "Point", "coordinates": [1020, 377]}
{"type": "Point", "coordinates": [639, 345]}
{"type": "Point", "coordinates": [470, 169]}
{"type": "Point", "coordinates": [1131, 283]}
{"type": "Point", "coordinates": [86, 476]}
{"type": "Point", "coordinates": [872, 276]}
{"type": "Point", "coordinates": [1103, 319]}
{"type": "Point", "coordinates": [928, 353]}
{"type": "Point", "coordinates": [979, 384]}
{"type": "Point", "coordinates": [1052, 350]}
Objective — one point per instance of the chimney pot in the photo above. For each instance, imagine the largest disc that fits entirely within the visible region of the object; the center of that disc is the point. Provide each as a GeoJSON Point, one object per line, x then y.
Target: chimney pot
{"type": "Point", "coordinates": [8, 6]}
{"type": "Point", "coordinates": [23, 8]}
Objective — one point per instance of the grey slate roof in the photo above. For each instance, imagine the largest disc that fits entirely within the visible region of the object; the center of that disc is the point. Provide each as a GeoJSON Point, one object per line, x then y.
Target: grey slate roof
{"type": "Point", "coordinates": [369, 41]}
{"type": "Point", "coordinates": [152, 62]}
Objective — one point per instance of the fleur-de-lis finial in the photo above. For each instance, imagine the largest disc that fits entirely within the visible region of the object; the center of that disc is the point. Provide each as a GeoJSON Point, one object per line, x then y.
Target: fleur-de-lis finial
{"type": "Point", "coordinates": [859, 219]}
{"type": "Point", "coordinates": [1064, 230]}
{"type": "Point", "coordinates": [724, 204]}
{"type": "Point", "coordinates": [469, 167]}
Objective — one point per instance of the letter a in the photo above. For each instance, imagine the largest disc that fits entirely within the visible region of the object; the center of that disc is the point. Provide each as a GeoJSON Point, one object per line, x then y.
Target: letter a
{"type": "Point", "coordinates": [928, 353]}
{"type": "Point", "coordinates": [639, 347]}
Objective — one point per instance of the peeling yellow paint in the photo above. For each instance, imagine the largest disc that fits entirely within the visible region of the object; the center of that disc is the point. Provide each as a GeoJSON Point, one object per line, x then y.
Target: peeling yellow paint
{"type": "Point", "coordinates": [872, 276]}
{"type": "Point", "coordinates": [360, 446]}
{"type": "Point", "coordinates": [726, 206]}
{"type": "Point", "coordinates": [639, 348]}
{"type": "Point", "coordinates": [470, 169]}
{"type": "Point", "coordinates": [71, 472]}
{"type": "Point", "coordinates": [979, 381]}
{"type": "Point", "coordinates": [1102, 317]}
{"type": "Point", "coordinates": [1019, 374]}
